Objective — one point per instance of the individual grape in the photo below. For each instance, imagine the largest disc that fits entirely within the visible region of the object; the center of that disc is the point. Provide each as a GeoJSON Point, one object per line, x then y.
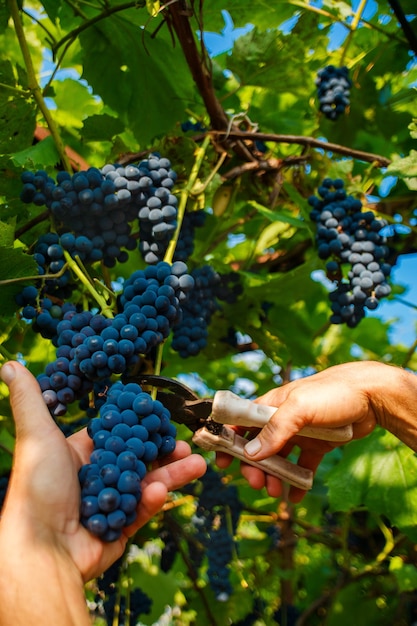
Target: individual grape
{"type": "Point", "coordinates": [333, 90]}
{"type": "Point", "coordinates": [111, 482]}
{"type": "Point", "coordinates": [350, 237]}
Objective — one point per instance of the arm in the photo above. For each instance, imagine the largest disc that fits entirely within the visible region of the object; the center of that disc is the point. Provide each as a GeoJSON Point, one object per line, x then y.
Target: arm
{"type": "Point", "coordinates": [363, 394]}
{"type": "Point", "coordinates": [47, 556]}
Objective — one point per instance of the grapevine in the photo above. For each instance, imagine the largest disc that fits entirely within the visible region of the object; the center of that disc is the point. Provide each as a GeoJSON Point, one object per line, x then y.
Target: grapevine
{"type": "Point", "coordinates": [117, 258]}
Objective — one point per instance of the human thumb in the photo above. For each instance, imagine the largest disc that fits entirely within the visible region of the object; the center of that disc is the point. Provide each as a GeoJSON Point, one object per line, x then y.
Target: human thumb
{"type": "Point", "coordinates": [273, 436]}
{"type": "Point", "coordinates": [30, 412]}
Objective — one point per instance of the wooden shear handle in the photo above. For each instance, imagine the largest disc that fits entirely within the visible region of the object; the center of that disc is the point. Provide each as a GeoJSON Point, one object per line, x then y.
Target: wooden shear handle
{"type": "Point", "coordinates": [230, 442]}
{"type": "Point", "coordinates": [228, 408]}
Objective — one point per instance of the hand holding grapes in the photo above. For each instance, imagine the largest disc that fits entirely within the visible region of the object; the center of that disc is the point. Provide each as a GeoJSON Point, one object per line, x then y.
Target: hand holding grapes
{"type": "Point", "coordinates": [363, 394]}
{"type": "Point", "coordinates": [40, 519]}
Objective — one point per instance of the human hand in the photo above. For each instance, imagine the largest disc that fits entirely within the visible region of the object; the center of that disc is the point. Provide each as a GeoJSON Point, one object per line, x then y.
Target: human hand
{"type": "Point", "coordinates": [352, 393]}
{"type": "Point", "coordinates": [43, 499]}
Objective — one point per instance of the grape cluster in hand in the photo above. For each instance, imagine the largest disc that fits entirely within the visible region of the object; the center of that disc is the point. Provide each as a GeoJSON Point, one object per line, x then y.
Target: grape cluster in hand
{"type": "Point", "coordinates": [132, 431]}
{"type": "Point", "coordinates": [350, 237]}
{"type": "Point", "coordinates": [333, 90]}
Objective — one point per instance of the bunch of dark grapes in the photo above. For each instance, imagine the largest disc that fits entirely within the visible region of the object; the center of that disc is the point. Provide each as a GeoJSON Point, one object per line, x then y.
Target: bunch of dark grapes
{"type": "Point", "coordinates": [94, 210]}
{"type": "Point", "coordinates": [91, 347]}
{"type": "Point", "coordinates": [185, 243]}
{"type": "Point", "coordinates": [108, 585]}
{"type": "Point", "coordinates": [132, 431]}
{"type": "Point", "coordinates": [349, 236]}
{"type": "Point", "coordinates": [218, 512]}
{"type": "Point", "coordinates": [229, 287]}
{"type": "Point", "coordinates": [333, 90]}
{"type": "Point", "coordinates": [190, 334]}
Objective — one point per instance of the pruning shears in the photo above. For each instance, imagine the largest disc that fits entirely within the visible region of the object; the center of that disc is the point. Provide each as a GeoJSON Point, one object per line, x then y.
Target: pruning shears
{"type": "Point", "coordinates": [207, 419]}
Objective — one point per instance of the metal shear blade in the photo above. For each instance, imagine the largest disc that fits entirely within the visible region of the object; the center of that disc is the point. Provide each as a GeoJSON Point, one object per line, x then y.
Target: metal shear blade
{"type": "Point", "coordinates": [183, 404]}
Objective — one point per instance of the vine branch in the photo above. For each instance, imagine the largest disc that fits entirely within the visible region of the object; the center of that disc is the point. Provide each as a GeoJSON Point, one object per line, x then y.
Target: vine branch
{"type": "Point", "coordinates": [202, 76]}
{"type": "Point", "coordinates": [405, 25]}
{"type": "Point", "coordinates": [33, 84]}
{"type": "Point", "coordinates": [310, 142]}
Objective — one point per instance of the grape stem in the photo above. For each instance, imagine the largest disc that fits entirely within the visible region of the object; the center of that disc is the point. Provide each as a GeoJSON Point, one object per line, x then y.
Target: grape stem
{"type": "Point", "coordinates": [25, 93]}
{"type": "Point", "coordinates": [18, 279]}
{"type": "Point", "coordinates": [185, 193]}
{"type": "Point", "coordinates": [5, 354]}
{"type": "Point", "coordinates": [34, 87]}
{"type": "Point", "coordinates": [353, 27]}
{"type": "Point", "coordinates": [86, 281]}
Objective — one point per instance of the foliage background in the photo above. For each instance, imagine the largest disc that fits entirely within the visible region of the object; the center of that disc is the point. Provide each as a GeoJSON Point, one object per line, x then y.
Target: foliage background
{"type": "Point", "coordinates": [91, 82]}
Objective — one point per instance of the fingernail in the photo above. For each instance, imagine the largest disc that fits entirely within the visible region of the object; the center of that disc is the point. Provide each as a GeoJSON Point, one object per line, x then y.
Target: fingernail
{"type": "Point", "coordinates": [7, 373]}
{"type": "Point", "coordinates": [253, 447]}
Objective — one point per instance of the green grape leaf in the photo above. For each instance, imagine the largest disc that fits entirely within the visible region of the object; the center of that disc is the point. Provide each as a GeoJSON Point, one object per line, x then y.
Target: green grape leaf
{"type": "Point", "coordinates": [17, 115]}
{"type": "Point", "coordinates": [278, 216]}
{"type": "Point", "coordinates": [74, 102]}
{"type": "Point", "coordinates": [353, 606]}
{"type": "Point", "coordinates": [42, 155]}
{"type": "Point", "coordinates": [380, 473]}
{"type": "Point", "coordinates": [406, 168]}
{"type": "Point", "coordinates": [101, 127]}
{"type": "Point", "coordinates": [153, 6]}
{"type": "Point", "coordinates": [147, 72]}
{"type": "Point", "coordinates": [7, 234]}
{"type": "Point", "coordinates": [4, 16]}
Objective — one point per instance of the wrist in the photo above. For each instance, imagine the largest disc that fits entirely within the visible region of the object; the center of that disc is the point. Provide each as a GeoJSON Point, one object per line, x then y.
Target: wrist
{"type": "Point", "coordinates": [392, 393]}
{"type": "Point", "coordinates": [33, 559]}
